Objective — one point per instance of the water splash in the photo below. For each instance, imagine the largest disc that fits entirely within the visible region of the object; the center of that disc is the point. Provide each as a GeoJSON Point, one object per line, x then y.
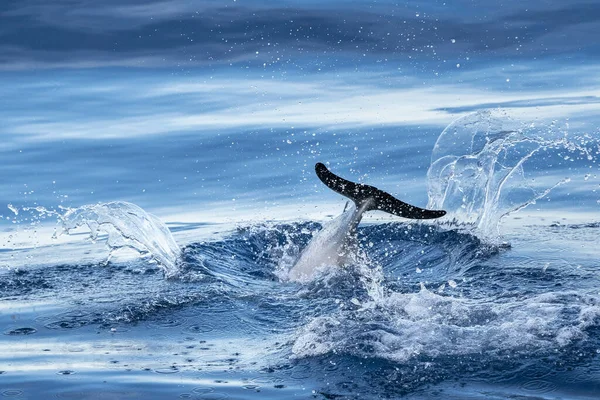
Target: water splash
{"type": "Point", "coordinates": [127, 225]}
{"type": "Point", "coordinates": [326, 253]}
{"type": "Point", "coordinates": [427, 326]}
{"type": "Point", "coordinates": [477, 170]}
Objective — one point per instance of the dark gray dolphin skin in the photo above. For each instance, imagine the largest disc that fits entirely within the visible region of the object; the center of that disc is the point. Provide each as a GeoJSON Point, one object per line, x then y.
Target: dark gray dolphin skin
{"type": "Point", "coordinates": [372, 198]}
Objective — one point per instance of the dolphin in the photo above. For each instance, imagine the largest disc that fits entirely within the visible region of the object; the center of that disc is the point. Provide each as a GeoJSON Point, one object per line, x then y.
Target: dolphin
{"type": "Point", "coordinates": [331, 245]}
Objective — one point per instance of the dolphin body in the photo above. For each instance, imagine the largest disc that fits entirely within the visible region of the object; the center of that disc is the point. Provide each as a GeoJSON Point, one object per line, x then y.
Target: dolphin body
{"type": "Point", "coordinates": [331, 245]}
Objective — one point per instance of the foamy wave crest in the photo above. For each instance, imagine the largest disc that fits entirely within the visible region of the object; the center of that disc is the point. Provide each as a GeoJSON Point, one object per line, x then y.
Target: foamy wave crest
{"type": "Point", "coordinates": [428, 327]}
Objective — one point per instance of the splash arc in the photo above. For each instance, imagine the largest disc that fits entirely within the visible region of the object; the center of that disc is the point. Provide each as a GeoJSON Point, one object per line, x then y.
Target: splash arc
{"type": "Point", "coordinates": [330, 246]}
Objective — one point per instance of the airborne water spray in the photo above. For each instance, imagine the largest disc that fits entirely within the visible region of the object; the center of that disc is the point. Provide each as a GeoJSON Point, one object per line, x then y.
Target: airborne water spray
{"type": "Point", "coordinates": [125, 225]}
{"type": "Point", "coordinates": [483, 167]}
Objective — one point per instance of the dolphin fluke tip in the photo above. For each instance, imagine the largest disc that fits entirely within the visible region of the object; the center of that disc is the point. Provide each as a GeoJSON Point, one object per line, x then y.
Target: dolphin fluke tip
{"type": "Point", "coordinates": [437, 213]}
{"type": "Point", "coordinates": [376, 199]}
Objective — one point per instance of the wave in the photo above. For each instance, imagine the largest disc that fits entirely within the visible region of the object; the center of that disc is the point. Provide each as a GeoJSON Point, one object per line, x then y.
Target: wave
{"type": "Point", "coordinates": [367, 312]}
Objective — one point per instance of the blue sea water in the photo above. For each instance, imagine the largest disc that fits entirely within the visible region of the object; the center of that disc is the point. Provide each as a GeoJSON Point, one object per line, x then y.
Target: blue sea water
{"type": "Point", "coordinates": [158, 185]}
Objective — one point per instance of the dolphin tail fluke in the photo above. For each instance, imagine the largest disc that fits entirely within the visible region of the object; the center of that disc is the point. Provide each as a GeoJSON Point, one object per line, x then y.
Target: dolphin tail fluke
{"type": "Point", "coordinates": [374, 198]}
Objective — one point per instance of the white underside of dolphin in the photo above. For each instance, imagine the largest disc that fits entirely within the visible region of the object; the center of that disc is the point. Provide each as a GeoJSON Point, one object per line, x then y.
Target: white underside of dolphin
{"type": "Point", "coordinates": [331, 245]}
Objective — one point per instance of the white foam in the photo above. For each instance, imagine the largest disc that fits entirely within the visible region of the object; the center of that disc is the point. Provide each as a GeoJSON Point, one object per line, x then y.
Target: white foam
{"type": "Point", "coordinates": [400, 327]}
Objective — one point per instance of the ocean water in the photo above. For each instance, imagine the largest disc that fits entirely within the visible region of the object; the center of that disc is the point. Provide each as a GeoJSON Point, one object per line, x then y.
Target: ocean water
{"type": "Point", "coordinates": [158, 185]}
